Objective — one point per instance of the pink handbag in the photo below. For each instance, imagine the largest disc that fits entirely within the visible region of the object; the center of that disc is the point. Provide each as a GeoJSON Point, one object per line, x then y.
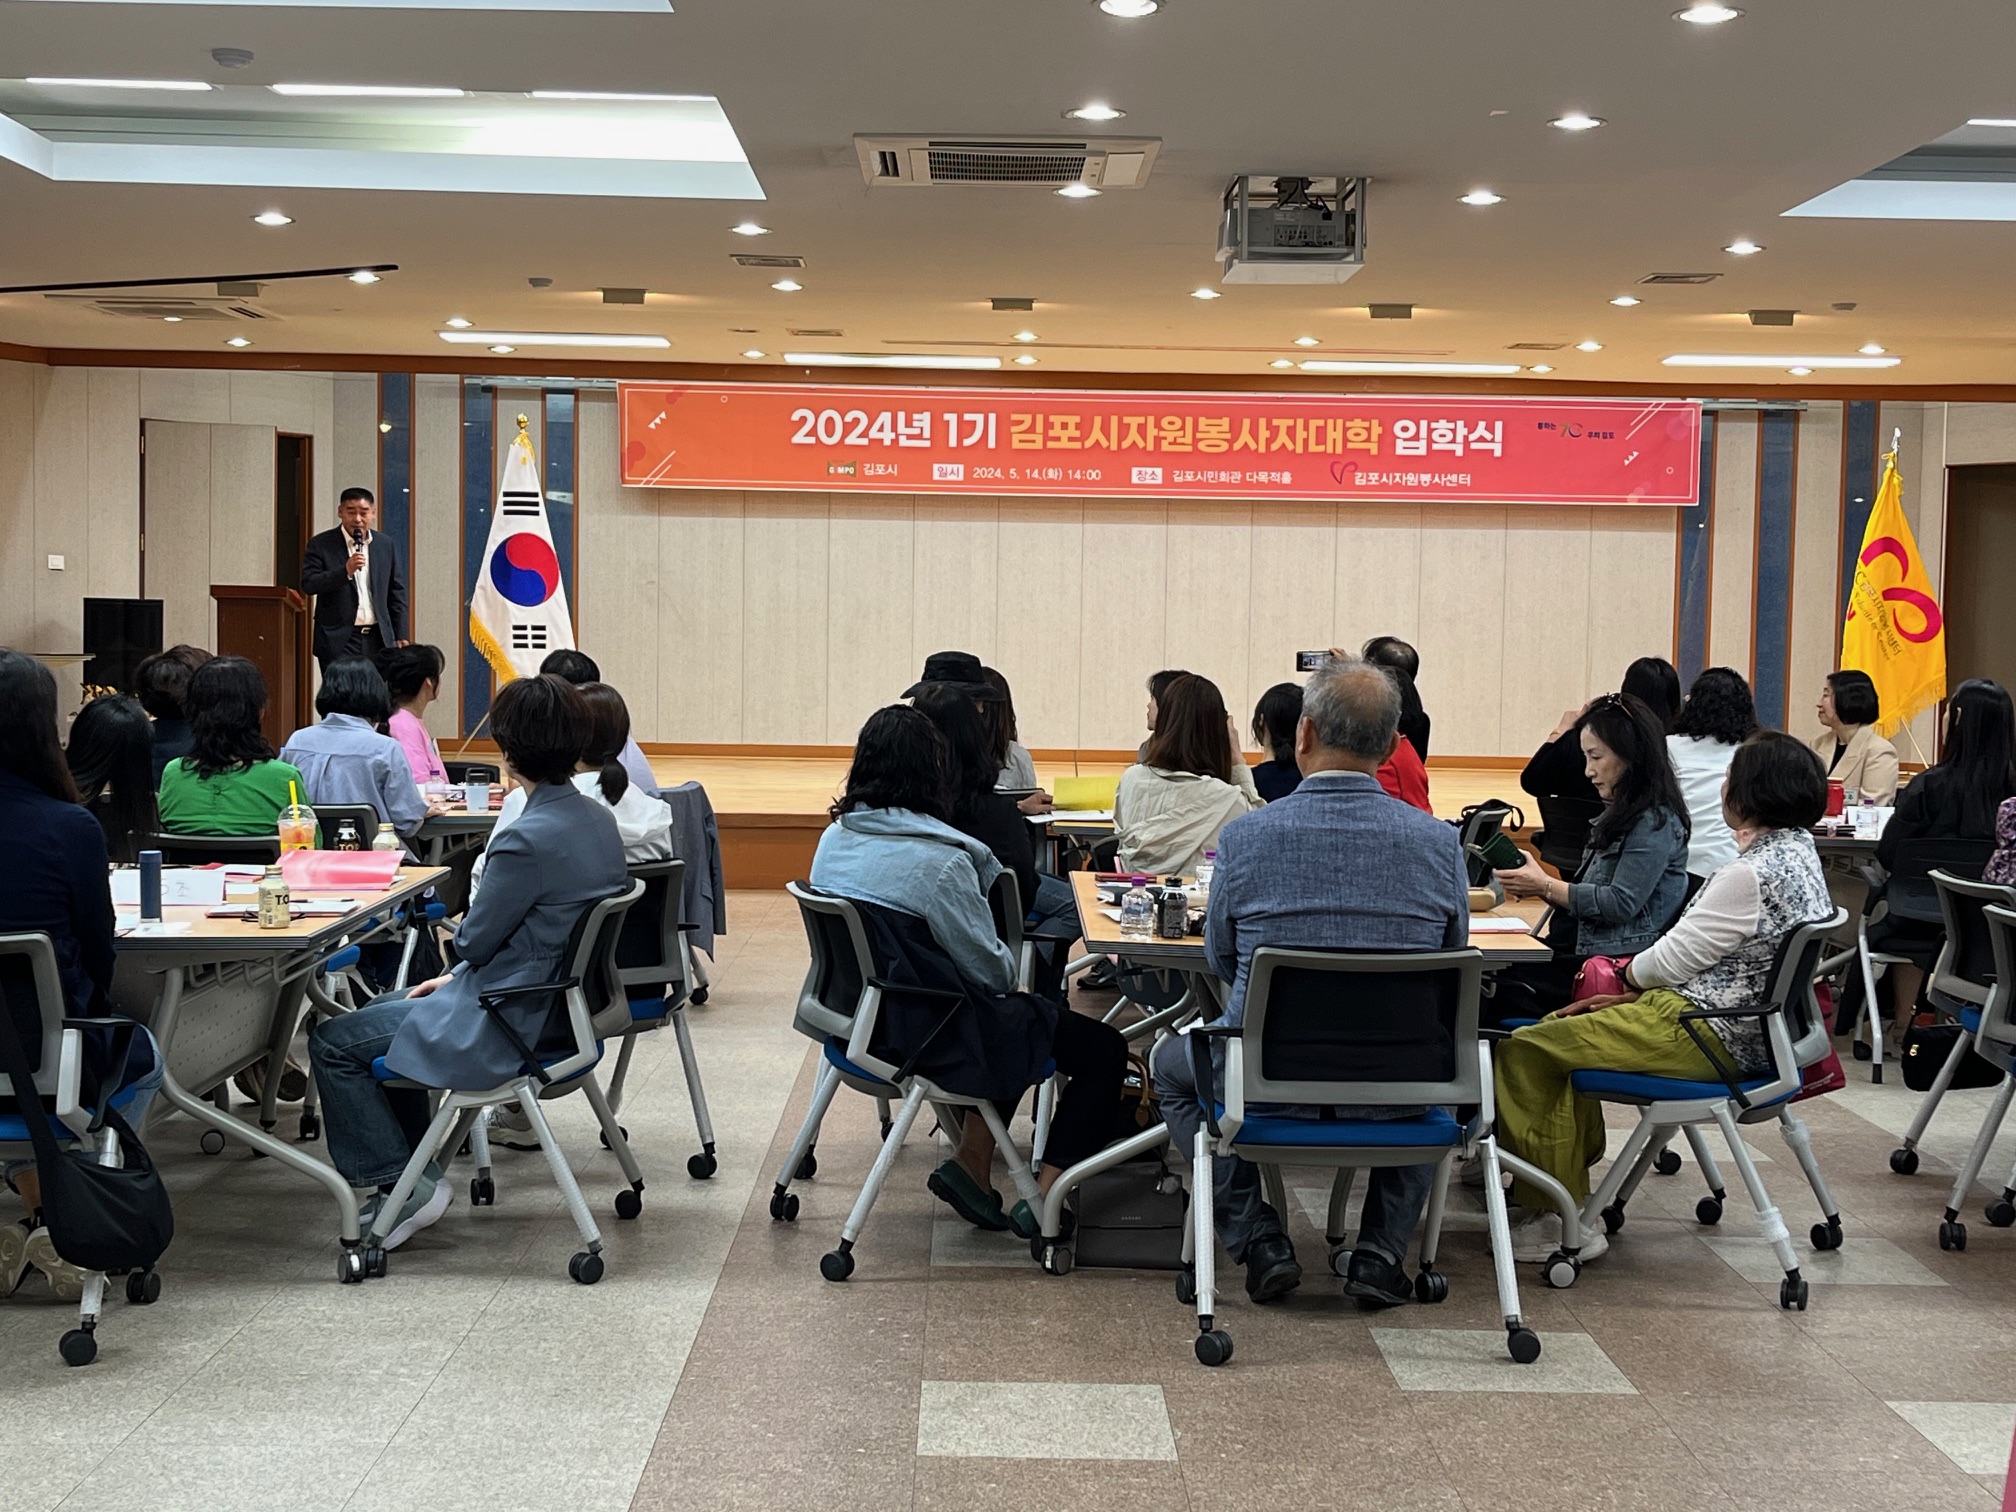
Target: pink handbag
{"type": "Point", "coordinates": [1600, 976]}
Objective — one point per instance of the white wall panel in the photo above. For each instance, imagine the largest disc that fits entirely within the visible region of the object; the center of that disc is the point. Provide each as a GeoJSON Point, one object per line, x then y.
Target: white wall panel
{"type": "Point", "coordinates": [1547, 653]}
{"type": "Point", "coordinates": [1039, 634]}
{"type": "Point", "coordinates": [1292, 597]}
{"type": "Point", "coordinates": [1122, 619]}
{"type": "Point", "coordinates": [1462, 629]}
{"type": "Point", "coordinates": [869, 567]}
{"type": "Point", "coordinates": [113, 482]}
{"type": "Point", "coordinates": [1732, 593]}
{"type": "Point", "coordinates": [784, 618]}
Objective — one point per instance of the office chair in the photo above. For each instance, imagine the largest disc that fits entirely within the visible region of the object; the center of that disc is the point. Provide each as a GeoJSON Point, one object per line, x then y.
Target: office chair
{"type": "Point", "coordinates": [656, 970]}
{"type": "Point", "coordinates": [1908, 892]}
{"type": "Point", "coordinates": [329, 819]}
{"type": "Point", "coordinates": [202, 850]}
{"type": "Point", "coordinates": [1372, 1029]}
{"type": "Point", "coordinates": [471, 771]}
{"type": "Point", "coordinates": [1995, 1042]}
{"type": "Point", "coordinates": [590, 1006]}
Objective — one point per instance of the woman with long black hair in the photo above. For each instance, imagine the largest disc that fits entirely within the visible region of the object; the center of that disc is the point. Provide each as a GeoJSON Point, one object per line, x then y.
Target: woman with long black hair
{"type": "Point", "coordinates": [231, 782]}
{"type": "Point", "coordinates": [111, 757]}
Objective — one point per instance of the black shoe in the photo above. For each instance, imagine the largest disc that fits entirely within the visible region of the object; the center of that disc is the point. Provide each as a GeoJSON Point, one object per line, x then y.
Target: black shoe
{"type": "Point", "coordinates": [1271, 1269]}
{"type": "Point", "coordinates": [1376, 1281]}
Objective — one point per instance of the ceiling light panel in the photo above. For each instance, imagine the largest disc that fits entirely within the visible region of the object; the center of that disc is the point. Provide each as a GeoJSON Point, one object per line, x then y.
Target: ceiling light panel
{"type": "Point", "coordinates": [1757, 360]}
{"type": "Point", "coordinates": [367, 91]}
{"type": "Point", "coordinates": [1413, 369]}
{"type": "Point", "coordinates": [658, 7]}
{"type": "Point", "coordinates": [182, 86]}
{"type": "Point", "coordinates": [549, 338]}
{"type": "Point", "coordinates": [891, 360]}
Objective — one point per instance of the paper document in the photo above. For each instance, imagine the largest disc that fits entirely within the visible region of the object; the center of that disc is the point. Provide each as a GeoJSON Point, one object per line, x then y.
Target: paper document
{"type": "Point", "coordinates": [1081, 816]}
{"type": "Point", "coordinates": [1495, 924]}
{"type": "Point", "coordinates": [197, 885]}
{"type": "Point", "coordinates": [132, 927]}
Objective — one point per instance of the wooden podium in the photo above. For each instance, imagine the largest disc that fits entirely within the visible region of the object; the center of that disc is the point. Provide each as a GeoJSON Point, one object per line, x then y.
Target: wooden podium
{"type": "Point", "coordinates": [269, 627]}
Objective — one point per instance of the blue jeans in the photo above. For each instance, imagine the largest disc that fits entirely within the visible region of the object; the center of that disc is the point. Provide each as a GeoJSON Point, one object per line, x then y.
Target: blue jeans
{"type": "Point", "coordinates": [373, 1129]}
{"type": "Point", "coordinates": [1394, 1195]}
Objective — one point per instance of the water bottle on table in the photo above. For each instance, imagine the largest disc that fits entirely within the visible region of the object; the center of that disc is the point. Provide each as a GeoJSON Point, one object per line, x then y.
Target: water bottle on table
{"type": "Point", "coordinates": [1137, 910]}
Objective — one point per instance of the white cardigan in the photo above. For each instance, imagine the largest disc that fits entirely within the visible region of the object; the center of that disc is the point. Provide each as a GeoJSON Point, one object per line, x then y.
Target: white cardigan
{"type": "Point", "coordinates": [1165, 821]}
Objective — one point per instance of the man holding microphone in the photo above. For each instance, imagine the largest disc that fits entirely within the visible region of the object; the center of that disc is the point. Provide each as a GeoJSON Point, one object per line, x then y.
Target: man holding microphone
{"type": "Point", "coordinates": [357, 582]}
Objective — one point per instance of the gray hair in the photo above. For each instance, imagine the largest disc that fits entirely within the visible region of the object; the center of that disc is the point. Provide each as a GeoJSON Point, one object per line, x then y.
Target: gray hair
{"type": "Point", "coordinates": [1354, 706]}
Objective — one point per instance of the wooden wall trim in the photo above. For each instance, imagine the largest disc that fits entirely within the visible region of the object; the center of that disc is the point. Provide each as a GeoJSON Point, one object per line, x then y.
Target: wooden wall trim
{"type": "Point", "coordinates": [485, 749]}
{"type": "Point", "coordinates": [9, 352]}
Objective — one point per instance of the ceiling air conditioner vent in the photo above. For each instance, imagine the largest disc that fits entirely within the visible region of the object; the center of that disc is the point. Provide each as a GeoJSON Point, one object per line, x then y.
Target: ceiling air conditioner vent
{"type": "Point", "coordinates": [766, 260]}
{"type": "Point", "coordinates": [829, 333]}
{"type": "Point", "coordinates": [1029, 163]}
{"type": "Point", "coordinates": [1680, 278]}
{"type": "Point", "coordinates": [1536, 346]}
{"type": "Point", "coordinates": [164, 307]}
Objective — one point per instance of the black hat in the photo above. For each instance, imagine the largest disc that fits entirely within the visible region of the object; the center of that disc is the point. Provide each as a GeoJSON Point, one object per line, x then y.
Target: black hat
{"type": "Point", "coordinates": [959, 668]}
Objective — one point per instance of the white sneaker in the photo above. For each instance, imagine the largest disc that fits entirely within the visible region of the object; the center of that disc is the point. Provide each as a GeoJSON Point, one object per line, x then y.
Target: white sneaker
{"type": "Point", "coordinates": [14, 1265]}
{"type": "Point", "coordinates": [423, 1209]}
{"type": "Point", "coordinates": [66, 1281]}
{"type": "Point", "coordinates": [1535, 1235]}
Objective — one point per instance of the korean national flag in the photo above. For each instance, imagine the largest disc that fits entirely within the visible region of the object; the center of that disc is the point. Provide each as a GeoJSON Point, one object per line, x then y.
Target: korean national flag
{"type": "Point", "coordinates": [518, 613]}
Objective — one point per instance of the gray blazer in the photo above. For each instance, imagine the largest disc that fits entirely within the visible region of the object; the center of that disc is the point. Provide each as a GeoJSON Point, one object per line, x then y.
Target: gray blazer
{"type": "Point", "coordinates": [561, 855]}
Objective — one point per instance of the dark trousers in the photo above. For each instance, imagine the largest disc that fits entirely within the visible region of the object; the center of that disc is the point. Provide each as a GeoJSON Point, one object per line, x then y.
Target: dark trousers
{"type": "Point", "coordinates": [1093, 1058]}
{"type": "Point", "coordinates": [359, 640]}
{"type": "Point", "coordinates": [1530, 990]}
{"type": "Point", "coordinates": [373, 1129]}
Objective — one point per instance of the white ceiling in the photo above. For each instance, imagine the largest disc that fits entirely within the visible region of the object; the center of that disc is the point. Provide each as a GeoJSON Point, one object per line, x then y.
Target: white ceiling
{"type": "Point", "coordinates": [1713, 132]}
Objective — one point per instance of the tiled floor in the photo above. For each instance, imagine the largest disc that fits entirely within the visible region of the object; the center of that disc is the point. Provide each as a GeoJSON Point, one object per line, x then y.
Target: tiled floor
{"type": "Point", "coordinates": [713, 1368]}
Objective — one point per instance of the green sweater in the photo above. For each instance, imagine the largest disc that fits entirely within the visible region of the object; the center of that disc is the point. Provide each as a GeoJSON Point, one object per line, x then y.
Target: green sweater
{"type": "Point", "coordinates": [244, 802]}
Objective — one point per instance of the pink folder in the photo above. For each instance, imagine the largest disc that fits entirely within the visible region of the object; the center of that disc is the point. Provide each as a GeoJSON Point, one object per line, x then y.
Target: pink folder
{"type": "Point", "coordinates": [370, 871]}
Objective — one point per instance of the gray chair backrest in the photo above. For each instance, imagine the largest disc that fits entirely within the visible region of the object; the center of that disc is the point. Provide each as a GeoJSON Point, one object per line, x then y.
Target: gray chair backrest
{"type": "Point", "coordinates": [329, 819]}
{"type": "Point", "coordinates": [1997, 1040]}
{"type": "Point", "coordinates": [1004, 901]}
{"type": "Point", "coordinates": [31, 994]}
{"type": "Point", "coordinates": [201, 850]}
{"type": "Point", "coordinates": [650, 952]}
{"type": "Point", "coordinates": [837, 980]}
{"type": "Point", "coordinates": [1966, 966]}
{"type": "Point", "coordinates": [591, 960]}
{"type": "Point", "coordinates": [1791, 990]}
{"type": "Point", "coordinates": [1396, 1028]}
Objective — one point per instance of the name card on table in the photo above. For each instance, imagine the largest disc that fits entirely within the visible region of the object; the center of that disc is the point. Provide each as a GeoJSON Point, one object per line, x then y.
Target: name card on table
{"type": "Point", "coordinates": [199, 886]}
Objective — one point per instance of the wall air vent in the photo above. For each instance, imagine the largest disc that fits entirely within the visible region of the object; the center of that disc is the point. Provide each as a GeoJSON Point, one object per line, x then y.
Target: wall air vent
{"type": "Point", "coordinates": [164, 307]}
{"type": "Point", "coordinates": [828, 334]}
{"type": "Point", "coordinates": [1025, 163]}
{"type": "Point", "coordinates": [1679, 278]}
{"type": "Point", "coordinates": [1536, 346]}
{"type": "Point", "coordinates": [766, 260]}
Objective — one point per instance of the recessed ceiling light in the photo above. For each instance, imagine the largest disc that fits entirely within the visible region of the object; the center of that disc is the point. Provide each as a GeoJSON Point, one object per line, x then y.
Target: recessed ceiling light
{"type": "Point", "coordinates": [1452, 369]}
{"type": "Point", "coordinates": [1984, 121]}
{"type": "Point", "coordinates": [1307, 341]}
{"type": "Point", "coordinates": [1870, 349]}
{"type": "Point", "coordinates": [1743, 247]}
{"type": "Point", "coordinates": [458, 323]}
{"type": "Point", "coordinates": [749, 228]}
{"type": "Point", "coordinates": [1625, 301]}
{"type": "Point", "coordinates": [1282, 362]}
{"type": "Point", "coordinates": [367, 91]}
{"type": "Point", "coordinates": [503, 351]}
{"type": "Point", "coordinates": [1483, 197]}
{"type": "Point", "coordinates": [752, 354]}
{"type": "Point", "coordinates": [1205, 294]}
{"type": "Point", "coordinates": [1755, 360]}
{"type": "Point", "coordinates": [191, 86]}
{"type": "Point", "coordinates": [1707, 13]}
{"type": "Point", "coordinates": [1129, 10]}
{"type": "Point", "coordinates": [273, 218]}
{"type": "Point", "coordinates": [364, 276]}
{"type": "Point", "coordinates": [1078, 191]}
{"type": "Point", "coordinates": [603, 94]}
{"type": "Point", "coordinates": [1577, 120]}
{"type": "Point", "coordinates": [1799, 372]}
{"type": "Point", "coordinates": [1540, 367]}
{"type": "Point", "coordinates": [1027, 359]}
{"type": "Point", "coordinates": [238, 341]}
{"type": "Point", "coordinates": [1025, 335]}
{"type": "Point", "coordinates": [172, 319]}
{"type": "Point", "coordinates": [1588, 346]}
{"type": "Point", "coordinates": [1094, 112]}
{"type": "Point", "coordinates": [890, 360]}
{"type": "Point", "coordinates": [550, 338]}
{"type": "Point", "coordinates": [787, 286]}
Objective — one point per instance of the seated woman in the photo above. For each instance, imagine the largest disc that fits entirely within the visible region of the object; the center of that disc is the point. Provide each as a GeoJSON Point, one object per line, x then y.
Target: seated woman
{"type": "Point", "coordinates": [1718, 956]}
{"type": "Point", "coordinates": [1158, 684]}
{"type": "Point", "coordinates": [1189, 785]}
{"type": "Point", "coordinates": [161, 682]}
{"type": "Point", "coordinates": [111, 758]}
{"type": "Point", "coordinates": [1557, 769]}
{"type": "Point", "coordinates": [890, 845]}
{"type": "Point", "coordinates": [562, 855]}
{"type": "Point", "coordinates": [1958, 799]}
{"type": "Point", "coordinates": [348, 758]}
{"type": "Point", "coordinates": [1633, 876]}
{"type": "Point", "coordinates": [1856, 756]}
{"type": "Point", "coordinates": [413, 677]}
{"type": "Point", "coordinates": [1274, 721]}
{"type": "Point", "coordinates": [230, 783]}
{"type": "Point", "coordinates": [1719, 715]}
{"type": "Point", "coordinates": [644, 823]}
{"type": "Point", "coordinates": [1017, 767]}
{"type": "Point", "coordinates": [53, 855]}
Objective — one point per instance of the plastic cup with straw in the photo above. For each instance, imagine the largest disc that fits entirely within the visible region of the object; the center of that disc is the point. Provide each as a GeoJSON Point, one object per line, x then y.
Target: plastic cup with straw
{"type": "Point", "coordinates": [297, 822]}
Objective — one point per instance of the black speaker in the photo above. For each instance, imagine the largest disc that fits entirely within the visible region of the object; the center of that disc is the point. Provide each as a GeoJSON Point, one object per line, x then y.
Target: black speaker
{"type": "Point", "coordinates": [118, 635]}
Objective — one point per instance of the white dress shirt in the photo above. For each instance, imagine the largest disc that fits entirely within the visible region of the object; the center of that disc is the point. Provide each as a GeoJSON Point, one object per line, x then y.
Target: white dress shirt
{"type": "Point", "coordinates": [366, 615]}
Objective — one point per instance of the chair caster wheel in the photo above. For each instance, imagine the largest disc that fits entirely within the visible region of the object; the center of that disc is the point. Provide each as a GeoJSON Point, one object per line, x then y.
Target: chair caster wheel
{"type": "Point", "coordinates": [628, 1203]}
{"type": "Point", "coordinates": [350, 1267]}
{"type": "Point", "coordinates": [1560, 1269]}
{"type": "Point", "coordinates": [1904, 1161]}
{"type": "Point", "coordinates": [310, 1130]}
{"type": "Point", "coordinates": [482, 1191]}
{"type": "Point", "coordinates": [1613, 1218]}
{"type": "Point", "coordinates": [887, 1125]}
{"type": "Point", "coordinates": [1708, 1210]}
{"type": "Point", "coordinates": [2001, 1212]}
{"type": "Point", "coordinates": [699, 997]}
{"type": "Point", "coordinates": [836, 1265]}
{"type": "Point", "coordinates": [212, 1142]}
{"type": "Point", "coordinates": [1792, 1295]}
{"type": "Point", "coordinates": [620, 1130]}
{"type": "Point", "coordinates": [701, 1166]}
{"type": "Point", "coordinates": [784, 1206]}
{"type": "Point", "coordinates": [143, 1288]}
{"type": "Point", "coordinates": [1523, 1345]}
{"type": "Point", "coordinates": [1862, 1051]}
{"type": "Point", "coordinates": [1340, 1260]}
{"type": "Point", "coordinates": [1186, 1287]}
{"type": "Point", "coordinates": [1952, 1236]}
{"type": "Point", "coordinates": [1827, 1236]}
{"type": "Point", "coordinates": [1057, 1259]}
{"type": "Point", "coordinates": [1214, 1348]}
{"type": "Point", "coordinates": [375, 1263]}
{"type": "Point", "coordinates": [807, 1168]}
{"type": "Point", "coordinates": [78, 1347]}
{"type": "Point", "coordinates": [1431, 1287]}
{"type": "Point", "coordinates": [1668, 1164]}
{"type": "Point", "coordinates": [585, 1267]}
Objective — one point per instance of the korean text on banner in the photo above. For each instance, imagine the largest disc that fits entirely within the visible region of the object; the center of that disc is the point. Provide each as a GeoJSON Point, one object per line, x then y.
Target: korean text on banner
{"type": "Point", "coordinates": [1327, 447]}
{"type": "Point", "coordinates": [1894, 630]}
{"type": "Point", "coordinates": [518, 613]}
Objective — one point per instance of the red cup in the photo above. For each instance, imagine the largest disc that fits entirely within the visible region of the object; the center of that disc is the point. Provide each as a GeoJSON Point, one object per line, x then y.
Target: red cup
{"type": "Point", "coordinates": [1837, 799]}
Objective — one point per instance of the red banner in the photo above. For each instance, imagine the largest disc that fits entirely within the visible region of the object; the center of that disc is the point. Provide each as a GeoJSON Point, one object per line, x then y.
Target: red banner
{"type": "Point", "coordinates": [1084, 443]}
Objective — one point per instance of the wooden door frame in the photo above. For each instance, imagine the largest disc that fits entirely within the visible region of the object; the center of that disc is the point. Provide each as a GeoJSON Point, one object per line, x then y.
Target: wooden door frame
{"type": "Point", "coordinates": [304, 660]}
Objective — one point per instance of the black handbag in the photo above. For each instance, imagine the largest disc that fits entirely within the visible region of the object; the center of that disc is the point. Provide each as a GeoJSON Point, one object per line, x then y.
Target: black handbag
{"type": "Point", "coordinates": [1131, 1218]}
{"type": "Point", "coordinates": [100, 1217]}
{"type": "Point", "coordinates": [1926, 1047]}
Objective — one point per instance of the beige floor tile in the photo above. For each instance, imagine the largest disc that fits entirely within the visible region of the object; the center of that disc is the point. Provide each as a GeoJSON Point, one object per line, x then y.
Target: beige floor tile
{"type": "Point", "coordinates": [1046, 1420]}
{"type": "Point", "coordinates": [1974, 1435]}
{"type": "Point", "coordinates": [1445, 1359]}
{"type": "Point", "coordinates": [1859, 1262]}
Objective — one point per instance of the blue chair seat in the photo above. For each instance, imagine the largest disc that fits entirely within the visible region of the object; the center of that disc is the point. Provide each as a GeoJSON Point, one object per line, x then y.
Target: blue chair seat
{"type": "Point", "coordinates": [1970, 1020]}
{"type": "Point", "coordinates": [1518, 1023]}
{"type": "Point", "coordinates": [344, 959]}
{"type": "Point", "coordinates": [836, 1057]}
{"type": "Point", "coordinates": [14, 1128]}
{"type": "Point", "coordinates": [1637, 1087]}
{"type": "Point", "coordinates": [647, 1005]}
{"type": "Point", "coordinates": [1437, 1128]}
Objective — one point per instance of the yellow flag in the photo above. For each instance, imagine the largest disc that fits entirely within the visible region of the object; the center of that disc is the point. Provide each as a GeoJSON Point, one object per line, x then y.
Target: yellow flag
{"type": "Point", "coordinates": [1894, 630]}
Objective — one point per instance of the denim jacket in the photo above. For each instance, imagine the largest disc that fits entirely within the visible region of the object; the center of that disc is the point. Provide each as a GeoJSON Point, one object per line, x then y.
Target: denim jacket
{"type": "Point", "coordinates": [1628, 894]}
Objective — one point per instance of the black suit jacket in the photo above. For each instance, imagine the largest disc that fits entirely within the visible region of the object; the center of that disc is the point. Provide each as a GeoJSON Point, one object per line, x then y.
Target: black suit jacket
{"type": "Point", "coordinates": [323, 575]}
